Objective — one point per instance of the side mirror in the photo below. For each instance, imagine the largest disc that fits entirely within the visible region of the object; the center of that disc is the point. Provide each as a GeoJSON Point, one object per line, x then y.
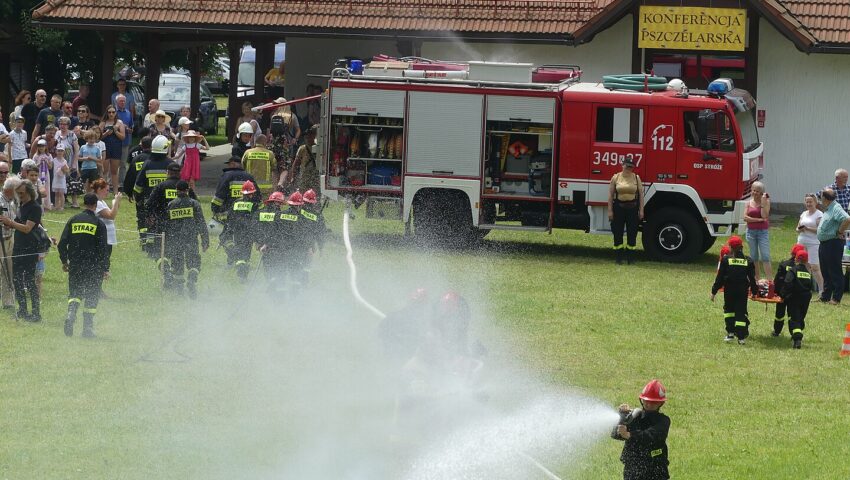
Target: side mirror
{"type": "Point", "coordinates": [703, 120]}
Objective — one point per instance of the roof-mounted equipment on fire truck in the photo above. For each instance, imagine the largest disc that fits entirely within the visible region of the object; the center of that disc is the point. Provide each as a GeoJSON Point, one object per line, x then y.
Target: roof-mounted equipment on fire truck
{"type": "Point", "coordinates": [639, 82]}
{"type": "Point", "coordinates": [720, 87]}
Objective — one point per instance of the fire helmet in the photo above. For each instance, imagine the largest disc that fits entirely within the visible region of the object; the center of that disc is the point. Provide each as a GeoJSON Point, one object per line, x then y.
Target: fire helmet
{"type": "Point", "coordinates": [796, 248]}
{"type": "Point", "coordinates": [735, 242]}
{"type": "Point", "coordinates": [296, 199]}
{"type": "Point", "coordinates": [310, 196]}
{"type": "Point", "coordinates": [276, 197]}
{"type": "Point", "coordinates": [654, 391]}
{"type": "Point", "coordinates": [248, 188]}
{"type": "Point", "coordinates": [417, 296]}
{"type": "Point", "coordinates": [245, 127]}
{"type": "Point", "coordinates": [725, 250]}
{"type": "Point", "coordinates": [160, 144]}
{"type": "Point", "coordinates": [452, 304]}
{"type": "Point", "coordinates": [802, 255]}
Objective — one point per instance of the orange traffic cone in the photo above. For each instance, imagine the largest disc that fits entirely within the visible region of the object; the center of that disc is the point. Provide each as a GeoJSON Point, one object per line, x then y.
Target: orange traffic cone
{"type": "Point", "coordinates": [845, 347]}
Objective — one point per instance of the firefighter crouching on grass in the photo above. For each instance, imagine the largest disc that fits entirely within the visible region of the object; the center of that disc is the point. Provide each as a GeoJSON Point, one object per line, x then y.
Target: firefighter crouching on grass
{"type": "Point", "coordinates": [279, 238]}
{"type": "Point", "coordinates": [153, 173]}
{"type": "Point", "coordinates": [185, 224]}
{"type": "Point", "coordinates": [645, 432]}
{"type": "Point", "coordinates": [737, 277]}
{"type": "Point", "coordinates": [778, 283]}
{"type": "Point", "coordinates": [797, 293]}
{"type": "Point", "coordinates": [242, 230]}
{"type": "Point", "coordinates": [83, 252]}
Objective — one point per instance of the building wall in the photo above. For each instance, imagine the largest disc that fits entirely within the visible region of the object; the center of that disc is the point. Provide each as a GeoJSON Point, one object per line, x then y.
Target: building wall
{"type": "Point", "coordinates": [312, 55]}
{"type": "Point", "coordinates": [806, 134]}
{"type": "Point", "coordinates": [609, 53]}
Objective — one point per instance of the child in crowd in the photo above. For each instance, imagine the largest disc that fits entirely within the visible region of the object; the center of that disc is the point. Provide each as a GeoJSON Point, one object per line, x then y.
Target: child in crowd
{"type": "Point", "coordinates": [193, 144]}
{"type": "Point", "coordinates": [43, 161]}
{"type": "Point", "coordinates": [61, 170]}
{"type": "Point", "coordinates": [90, 160]}
{"type": "Point", "coordinates": [17, 141]}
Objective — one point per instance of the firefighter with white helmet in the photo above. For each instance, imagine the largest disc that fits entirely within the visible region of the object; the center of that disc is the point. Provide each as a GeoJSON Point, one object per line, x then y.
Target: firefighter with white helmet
{"type": "Point", "coordinates": [153, 172]}
{"type": "Point", "coordinates": [645, 431]}
{"type": "Point", "coordinates": [242, 230]}
{"type": "Point", "coordinates": [244, 135]}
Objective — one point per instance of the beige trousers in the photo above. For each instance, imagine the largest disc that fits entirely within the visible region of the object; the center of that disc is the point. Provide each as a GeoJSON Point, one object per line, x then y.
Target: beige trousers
{"type": "Point", "coordinates": [7, 291]}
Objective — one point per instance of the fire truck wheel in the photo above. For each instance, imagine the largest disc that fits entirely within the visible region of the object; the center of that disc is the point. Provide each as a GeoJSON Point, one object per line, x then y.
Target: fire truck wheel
{"type": "Point", "coordinates": [673, 235]}
{"type": "Point", "coordinates": [708, 243]}
{"type": "Point", "coordinates": [444, 220]}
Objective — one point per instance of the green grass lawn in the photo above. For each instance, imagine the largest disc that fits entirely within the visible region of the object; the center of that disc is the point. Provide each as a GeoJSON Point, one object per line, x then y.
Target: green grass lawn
{"type": "Point", "coordinates": [217, 388]}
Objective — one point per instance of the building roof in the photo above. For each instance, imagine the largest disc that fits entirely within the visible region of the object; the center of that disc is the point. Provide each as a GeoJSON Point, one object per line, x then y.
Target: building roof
{"type": "Point", "coordinates": [489, 18]}
{"type": "Point", "coordinates": [827, 21]}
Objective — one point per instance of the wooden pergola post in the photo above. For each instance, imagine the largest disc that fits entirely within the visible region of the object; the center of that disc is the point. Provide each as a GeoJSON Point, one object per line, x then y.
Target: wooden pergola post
{"type": "Point", "coordinates": [153, 68]}
{"type": "Point", "coordinates": [234, 106]}
{"type": "Point", "coordinates": [195, 75]}
{"type": "Point", "coordinates": [5, 60]}
{"type": "Point", "coordinates": [107, 63]}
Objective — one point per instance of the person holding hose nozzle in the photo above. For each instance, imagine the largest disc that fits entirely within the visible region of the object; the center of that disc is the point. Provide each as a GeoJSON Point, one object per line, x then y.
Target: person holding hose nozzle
{"type": "Point", "coordinates": [625, 209]}
{"type": "Point", "coordinates": [736, 275]}
{"type": "Point", "coordinates": [645, 432]}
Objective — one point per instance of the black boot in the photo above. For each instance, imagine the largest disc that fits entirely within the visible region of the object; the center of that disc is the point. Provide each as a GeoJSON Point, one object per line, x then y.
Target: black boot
{"type": "Point", "coordinates": [242, 271]}
{"type": "Point", "coordinates": [630, 256]}
{"type": "Point", "coordinates": [72, 317]}
{"type": "Point", "coordinates": [777, 327]}
{"type": "Point", "coordinates": [88, 325]}
{"type": "Point", "coordinates": [619, 255]}
{"type": "Point", "coordinates": [798, 343]}
{"type": "Point", "coordinates": [191, 283]}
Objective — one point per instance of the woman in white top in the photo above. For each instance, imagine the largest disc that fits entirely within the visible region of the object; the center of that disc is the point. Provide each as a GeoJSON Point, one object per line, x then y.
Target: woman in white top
{"type": "Point", "coordinates": [808, 229]}
{"type": "Point", "coordinates": [101, 189]}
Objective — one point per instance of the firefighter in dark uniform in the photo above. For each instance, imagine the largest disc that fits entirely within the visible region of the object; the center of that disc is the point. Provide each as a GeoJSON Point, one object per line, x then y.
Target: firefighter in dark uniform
{"type": "Point", "coordinates": [737, 277]}
{"type": "Point", "coordinates": [83, 251]}
{"type": "Point", "coordinates": [296, 234]}
{"type": "Point", "coordinates": [314, 223]}
{"type": "Point", "coordinates": [157, 202]}
{"type": "Point", "coordinates": [135, 165]}
{"type": "Point", "coordinates": [229, 187]}
{"type": "Point", "coordinates": [778, 283]}
{"type": "Point", "coordinates": [797, 293]}
{"type": "Point", "coordinates": [153, 173]}
{"type": "Point", "coordinates": [645, 431]}
{"type": "Point", "coordinates": [271, 241]}
{"type": "Point", "coordinates": [242, 230]}
{"type": "Point", "coordinates": [184, 225]}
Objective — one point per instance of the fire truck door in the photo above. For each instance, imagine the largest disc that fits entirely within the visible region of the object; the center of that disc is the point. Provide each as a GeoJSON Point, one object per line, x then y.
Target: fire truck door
{"type": "Point", "coordinates": [708, 157]}
{"type": "Point", "coordinates": [617, 134]}
{"type": "Point", "coordinates": [661, 142]}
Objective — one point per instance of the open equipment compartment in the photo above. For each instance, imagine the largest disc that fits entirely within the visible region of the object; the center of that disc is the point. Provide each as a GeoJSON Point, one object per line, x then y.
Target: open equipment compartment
{"type": "Point", "coordinates": [366, 140]}
{"type": "Point", "coordinates": [519, 133]}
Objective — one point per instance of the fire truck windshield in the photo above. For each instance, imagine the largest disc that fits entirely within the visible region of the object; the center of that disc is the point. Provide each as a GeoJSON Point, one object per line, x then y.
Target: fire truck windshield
{"type": "Point", "coordinates": [749, 132]}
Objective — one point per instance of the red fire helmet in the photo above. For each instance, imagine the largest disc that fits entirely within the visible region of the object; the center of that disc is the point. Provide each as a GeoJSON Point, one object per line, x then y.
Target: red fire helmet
{"type": "Point", "coordinates": [796, 248]}
{"type": "Point", "coordinates": [248, 188]}
{"type": "Point", "coordinates": [276, 197]}
{"type": "Point", "coordinates": [735, 241]}
{"type": "Point", "coordinates": [296, 199]}
{"type": "Point", "coordinates": [802, 255]}
{"type": "Point", "coordinates": [417, 296]}
{"type": "Point", "coordinates": [654, 391]}
{"type": "Point", "coordinates": [310, 196]}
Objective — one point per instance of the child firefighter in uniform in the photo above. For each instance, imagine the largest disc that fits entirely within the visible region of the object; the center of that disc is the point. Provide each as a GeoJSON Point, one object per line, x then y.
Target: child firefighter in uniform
{"type": "Point", "coordinates": [778, 283]}
{"type": "Point", "coordinates": [797, 293]}
{"type": "Point", "coordinates": [737, 276]}
{"type": "Point", "coordinates": [645, 432]}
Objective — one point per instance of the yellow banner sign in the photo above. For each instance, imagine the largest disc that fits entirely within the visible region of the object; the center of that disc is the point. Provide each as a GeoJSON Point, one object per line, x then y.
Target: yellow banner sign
{"type": "Point", "coordinates": [692, 28]}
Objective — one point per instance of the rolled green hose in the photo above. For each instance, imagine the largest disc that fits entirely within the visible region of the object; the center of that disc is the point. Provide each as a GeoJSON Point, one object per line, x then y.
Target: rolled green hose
{"type": "Point", "coordinates": [636, 82]}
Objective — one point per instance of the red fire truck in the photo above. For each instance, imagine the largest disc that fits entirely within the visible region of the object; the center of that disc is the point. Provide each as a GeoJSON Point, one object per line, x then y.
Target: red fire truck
{"type": "Point", "coordinates": [457, 157]}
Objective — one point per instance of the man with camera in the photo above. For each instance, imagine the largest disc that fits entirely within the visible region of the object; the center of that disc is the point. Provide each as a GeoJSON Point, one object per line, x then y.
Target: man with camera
{"type": "Point", "coordinates": [9, 209]}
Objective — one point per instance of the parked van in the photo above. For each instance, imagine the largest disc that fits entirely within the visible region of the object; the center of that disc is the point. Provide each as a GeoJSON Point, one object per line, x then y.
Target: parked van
{"type": "Point", "coordinates": [247, 64]}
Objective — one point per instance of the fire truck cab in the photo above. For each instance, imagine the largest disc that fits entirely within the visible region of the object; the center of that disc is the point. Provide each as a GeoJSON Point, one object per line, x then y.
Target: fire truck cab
{"type": "Point", "coordinates": [454, 158]}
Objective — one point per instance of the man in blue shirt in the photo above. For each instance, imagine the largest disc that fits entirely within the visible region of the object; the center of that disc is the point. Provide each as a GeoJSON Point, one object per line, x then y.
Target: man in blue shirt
{"type": "Point", "coordinates": [126, 116]}
{"type": "Point", "coordinates": [831, 236]}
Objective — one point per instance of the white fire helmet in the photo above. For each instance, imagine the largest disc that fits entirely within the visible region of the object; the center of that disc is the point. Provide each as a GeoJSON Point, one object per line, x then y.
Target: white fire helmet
{"type": "Point", "coordinates": [246, 128]}
{"type": "Point", "coordinates": [160, 144]}
{"type": "Point", "coordinates": [215, 227]}
{"type": "Point", "coordinates": [676, 85]}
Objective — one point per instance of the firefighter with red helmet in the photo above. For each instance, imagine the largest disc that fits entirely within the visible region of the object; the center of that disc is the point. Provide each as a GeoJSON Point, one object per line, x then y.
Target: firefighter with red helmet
{"type": "Point", "coordinates": [241, 231]}
{"type": "Point", "coordinates": [737, 276]}
{"type": "Point", "coordinates": [797, 293]}
{"type": "Point", "coordinates": [778, 286]}
{"type": "Point", "coordinates": [644, 431]}
{"type": "Point", "coordinates": [279, 239]}
{"type": "Point", "coordinates": [314, 221]}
